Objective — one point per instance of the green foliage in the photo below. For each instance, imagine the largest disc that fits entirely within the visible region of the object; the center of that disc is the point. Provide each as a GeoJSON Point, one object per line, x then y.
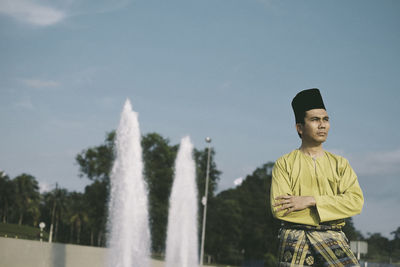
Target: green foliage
{"type": "Point", "coordinates": [159, 158]}
{"type": "Point", "coordinates": [95, 163]}
{"type": "Point", "coordinates": [241, 226]}
{"type": "Point", "coordinates": [378, 248]}
{"type": "Point", "coordinates": [394, 252]}
{"type": "Point", "coordinates": [381, 249]}
{"type": "Point", "coordinates": [95, 198]}
{"type": "Point", "coordinates": [27, 198]}
{"type": "Point", "coordinates": [54, 208]}
{"type": "Point", "coordinates": [7, 196]}
{"type": "Point", "coordinates": [259, 228]}
{"type": "Point", "coordinates": [223, 233]}
{"type": "Point", "coordinates": [78, 216]}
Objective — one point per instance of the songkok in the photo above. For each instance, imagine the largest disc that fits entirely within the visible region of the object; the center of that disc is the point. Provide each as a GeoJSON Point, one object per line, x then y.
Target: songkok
{"type": "Point", "coordinates": [306, 100]}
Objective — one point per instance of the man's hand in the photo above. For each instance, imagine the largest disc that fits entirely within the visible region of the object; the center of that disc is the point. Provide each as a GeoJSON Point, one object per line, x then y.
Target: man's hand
{"type": "Point", "coordinates": [293, 203]}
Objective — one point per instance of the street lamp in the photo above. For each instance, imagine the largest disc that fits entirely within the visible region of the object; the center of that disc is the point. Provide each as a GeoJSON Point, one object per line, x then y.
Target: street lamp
{"type": "Point", "coordinates": [204, 201]}
{"type": "Point", "coordinates": [42, 225]}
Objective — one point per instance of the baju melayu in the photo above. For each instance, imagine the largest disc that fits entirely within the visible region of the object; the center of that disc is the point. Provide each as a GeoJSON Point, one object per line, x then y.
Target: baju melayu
{"type": "Point", "coordinates": [313, 236]}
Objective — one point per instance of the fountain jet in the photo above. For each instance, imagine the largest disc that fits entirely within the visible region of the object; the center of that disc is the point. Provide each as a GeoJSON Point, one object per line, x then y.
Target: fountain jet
{"type": "Point", "coordinates": [128, 229]}
{"type": "Point", "coordinates": [182, 240]}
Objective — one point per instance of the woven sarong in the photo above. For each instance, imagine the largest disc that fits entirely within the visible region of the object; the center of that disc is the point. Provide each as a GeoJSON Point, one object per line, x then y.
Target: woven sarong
{"type": "Point", "coordinates": [303, 246]}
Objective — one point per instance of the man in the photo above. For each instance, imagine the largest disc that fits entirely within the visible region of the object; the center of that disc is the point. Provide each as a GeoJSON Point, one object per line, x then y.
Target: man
{"type": "Point", "coordinates": [312, 192]}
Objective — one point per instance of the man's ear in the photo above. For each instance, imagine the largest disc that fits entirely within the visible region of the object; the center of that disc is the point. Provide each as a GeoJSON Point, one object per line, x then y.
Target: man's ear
{"type": "Point", "coordinates": [299, 128]}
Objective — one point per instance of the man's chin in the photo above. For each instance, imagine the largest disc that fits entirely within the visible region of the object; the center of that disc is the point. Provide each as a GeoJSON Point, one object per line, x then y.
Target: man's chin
{"type": "Point", "coordinates": [320, 140]}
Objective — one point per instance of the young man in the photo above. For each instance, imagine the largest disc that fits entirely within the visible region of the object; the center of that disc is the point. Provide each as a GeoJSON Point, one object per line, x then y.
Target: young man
{"type": "Point", "coordinates": [312, 192]}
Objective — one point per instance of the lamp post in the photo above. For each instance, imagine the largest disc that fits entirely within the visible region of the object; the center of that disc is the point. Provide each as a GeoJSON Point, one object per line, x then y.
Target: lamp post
{"type": "Point", "coordinates": [42, 225]}
{"type": "Point", "coordinates": [204, 201]}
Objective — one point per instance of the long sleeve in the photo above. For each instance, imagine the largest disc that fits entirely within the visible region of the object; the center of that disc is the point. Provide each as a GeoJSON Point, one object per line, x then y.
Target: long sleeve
{"type": "Point", "coordinates": [347, 202]}
{"type": "Point", "coordinates": [282, 185]}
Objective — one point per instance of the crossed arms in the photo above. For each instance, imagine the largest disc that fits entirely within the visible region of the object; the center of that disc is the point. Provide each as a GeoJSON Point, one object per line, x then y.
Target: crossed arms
{"type": "Point", "coordinates": [314, 209]}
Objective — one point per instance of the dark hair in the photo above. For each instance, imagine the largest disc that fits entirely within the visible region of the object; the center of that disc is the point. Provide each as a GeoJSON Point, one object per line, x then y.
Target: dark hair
{"type": "Point", "coordinates": [301, 120]}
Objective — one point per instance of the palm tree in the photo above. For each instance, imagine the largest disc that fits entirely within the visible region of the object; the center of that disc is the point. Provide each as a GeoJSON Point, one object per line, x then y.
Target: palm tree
{"type": "Point", "coordinates": [55, 203]}
{"type": "Point", "coordinates": [27, 197]}
{"type": "Point", "coordinates": [61, 200]}
{"type": "Point", "coordinates": [77, 220]}
{"type": "Point", "coordinates": [77, 214]}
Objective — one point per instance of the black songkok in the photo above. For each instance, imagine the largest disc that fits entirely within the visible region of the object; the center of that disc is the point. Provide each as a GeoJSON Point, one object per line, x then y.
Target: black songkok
{"type": "Point", "coordinates": [306, 100]}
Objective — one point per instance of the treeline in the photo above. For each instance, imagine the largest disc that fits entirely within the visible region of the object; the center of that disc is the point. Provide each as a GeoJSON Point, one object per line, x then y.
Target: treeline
{"type": "Point", "coordinates": [240, 227]}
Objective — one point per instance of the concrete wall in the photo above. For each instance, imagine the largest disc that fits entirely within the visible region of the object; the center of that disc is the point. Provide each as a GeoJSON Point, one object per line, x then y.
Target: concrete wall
{"type": "Point", "coordinates": [28, 253]}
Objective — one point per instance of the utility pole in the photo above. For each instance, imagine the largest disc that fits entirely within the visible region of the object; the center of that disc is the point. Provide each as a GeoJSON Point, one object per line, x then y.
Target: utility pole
{"type": "Point", "coordinates": [204, 202]}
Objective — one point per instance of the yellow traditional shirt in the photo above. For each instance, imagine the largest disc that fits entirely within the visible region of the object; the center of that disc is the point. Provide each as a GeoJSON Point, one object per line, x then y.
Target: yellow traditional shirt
{"type": "Point", "coordinates": [328, 178]}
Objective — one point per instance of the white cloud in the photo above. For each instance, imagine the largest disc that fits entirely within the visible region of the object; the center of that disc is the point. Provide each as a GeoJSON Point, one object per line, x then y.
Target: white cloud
{"type": "Point", "coordinates": [50, 12]}
{"type": "Point", "coordinates": [31, 12]}
{"type": "Point", "coordinates": [40, 83]}
{"type": "Point", "coordinates": [44, 187]}
{"type": "Point", "coordinates": [238, 181]}
{"type": "Point", "coordinates": [25, 103]}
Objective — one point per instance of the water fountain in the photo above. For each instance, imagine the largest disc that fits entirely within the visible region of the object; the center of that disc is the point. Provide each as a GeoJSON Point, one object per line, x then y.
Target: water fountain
{"type": "Point", "coordinates": [182, 240]}
{"type": "Point", "coordinates": [129, 234]}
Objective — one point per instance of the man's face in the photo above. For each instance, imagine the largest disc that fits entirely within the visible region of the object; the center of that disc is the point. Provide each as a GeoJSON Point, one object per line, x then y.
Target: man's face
{"type": "Point", "coordinates": [316, 126]}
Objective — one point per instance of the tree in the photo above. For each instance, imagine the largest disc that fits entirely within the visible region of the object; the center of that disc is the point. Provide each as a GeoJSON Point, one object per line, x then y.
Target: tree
{"type": "Point", "coordinates": [223, 232]}
{"type": "Point", "coordinates": [27, 197]}
{"type": "Point", "coordinates": [378, 248]}
{"type": "Point", "coordinates": [241, 225]}
{"type": "Point", "coordinates": [396, 234]}
{"type": "Point", "coordinates": [159, 158]}
{"type": "Point", "coordinates": [95, 163]}
{"type": "Point", "coordinates": [56, 202]}
{"type": "Point", "coordinates": [259, 228]}
{"type": "Point", "coordinates": [395, 245]}
{"type": "Point", "coordinates": [6, 196]}
{"type": "Point", "coordinates": [78, 216]}
{"type": "Point", "coordinates": [95, 197]}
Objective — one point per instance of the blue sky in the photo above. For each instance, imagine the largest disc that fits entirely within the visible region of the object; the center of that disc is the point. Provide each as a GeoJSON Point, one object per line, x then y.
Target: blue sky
{"type": "Point", "coordinates": [221, 68]}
